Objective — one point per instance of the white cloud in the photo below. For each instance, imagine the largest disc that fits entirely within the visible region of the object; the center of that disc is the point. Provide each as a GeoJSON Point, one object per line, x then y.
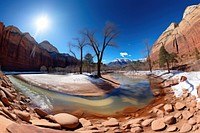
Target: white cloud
{"type": "Point", "coordinates": [123, 54]}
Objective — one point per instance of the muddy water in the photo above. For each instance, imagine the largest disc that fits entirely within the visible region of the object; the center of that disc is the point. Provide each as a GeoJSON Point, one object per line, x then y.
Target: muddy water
{"type": "Point", "coordinates": [133, 92]}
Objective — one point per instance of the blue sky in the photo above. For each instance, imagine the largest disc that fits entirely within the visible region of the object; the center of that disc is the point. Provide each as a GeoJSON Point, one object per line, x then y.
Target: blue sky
{"type": "Point", "coordinates": [137, 20]}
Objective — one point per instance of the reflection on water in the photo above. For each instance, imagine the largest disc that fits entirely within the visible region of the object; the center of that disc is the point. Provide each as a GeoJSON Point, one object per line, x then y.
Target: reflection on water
{"type": "Point", "coordinates": [132, 92]}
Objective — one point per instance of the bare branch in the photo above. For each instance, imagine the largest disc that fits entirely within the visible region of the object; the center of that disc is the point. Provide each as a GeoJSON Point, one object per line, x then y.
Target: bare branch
{"type": "Point", "coordinates": [70, 50]}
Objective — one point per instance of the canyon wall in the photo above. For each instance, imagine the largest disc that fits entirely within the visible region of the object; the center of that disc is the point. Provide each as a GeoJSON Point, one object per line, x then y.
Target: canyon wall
{"type": "Point", "coordinates": [181, 38]}
{"type": "Point", "coordinates": [20, 52]}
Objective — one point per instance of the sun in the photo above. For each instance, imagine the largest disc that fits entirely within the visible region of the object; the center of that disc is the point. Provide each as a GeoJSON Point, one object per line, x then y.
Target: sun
{"type": "Point", "coordinates": [42, 23]}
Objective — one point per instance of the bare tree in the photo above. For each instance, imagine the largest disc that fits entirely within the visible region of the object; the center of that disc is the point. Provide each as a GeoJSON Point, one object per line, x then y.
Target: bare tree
{"type": "Point", "coordinates": [81, 43]}
{"type": "Point", "coordinates": [148, 51]}
{"type": "Point", "coordinates": [109, 34]}
{"type": "Point", "coordinates": [70, 49]}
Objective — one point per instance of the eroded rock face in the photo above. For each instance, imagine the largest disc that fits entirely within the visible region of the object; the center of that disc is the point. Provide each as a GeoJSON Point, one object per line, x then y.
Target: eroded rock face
{"type": "Point", "coordinates": [181, 38]}
{"type": "Point", "coordinates": [49, 47]}
{"type": "Point", "coordinates": [20, 52]}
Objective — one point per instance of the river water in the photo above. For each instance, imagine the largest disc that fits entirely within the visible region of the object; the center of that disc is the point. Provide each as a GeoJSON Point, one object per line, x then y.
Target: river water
{"type": "Point", "coordinates": [133, 92]}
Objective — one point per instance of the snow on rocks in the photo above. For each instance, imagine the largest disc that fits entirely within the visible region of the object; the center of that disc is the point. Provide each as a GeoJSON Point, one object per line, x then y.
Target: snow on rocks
{"type": "Point", "coordinates": [177, 80]}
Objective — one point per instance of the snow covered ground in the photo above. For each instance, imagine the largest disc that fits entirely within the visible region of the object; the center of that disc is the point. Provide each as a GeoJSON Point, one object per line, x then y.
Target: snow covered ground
{"type": "Point", "coordinates": [191, 84]}
{"type": "Point", "coordinates": [61, 79]}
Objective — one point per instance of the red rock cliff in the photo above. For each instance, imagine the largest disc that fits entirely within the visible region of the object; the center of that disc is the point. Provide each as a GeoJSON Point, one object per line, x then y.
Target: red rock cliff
{"type": "Point", "coordinates": [19, 51]}
{"type": "Point", "coordinates": [181, 38]}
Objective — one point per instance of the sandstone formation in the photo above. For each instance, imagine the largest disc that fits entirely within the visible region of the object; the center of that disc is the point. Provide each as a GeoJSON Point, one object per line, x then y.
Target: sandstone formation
{"type": "Point", "coordinates": [20, 52]}
{"type": "Point", "coordinates": [181, 38]}
{"type": "Point", "coordinates": [49, 47]}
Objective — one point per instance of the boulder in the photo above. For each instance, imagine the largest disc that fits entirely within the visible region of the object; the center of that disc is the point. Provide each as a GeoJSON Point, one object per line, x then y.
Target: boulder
{"type": "Point", "coordinates": [168, 108]}
{"type": "Point", "coordinates": [170, 120]}
{"type": "Point", "coordinates": [192, 121]}
{"type": "Point", "coordinates": [66, 120]}
{"type": "Point", "coordinates": [136, 130]}
{"type": "Point", "coordinates": [171, 128]}
{"type": "Point", "coordinates": [40, 112]}
{"type": "Point", "coordinates": [183, 78]}
{"type": "Point", "coordinates": [111, 122]}
{"type": "Point", "coordinates": [179, 106]}
{"type": "Point", "coordinates": [158, 124]}
{"type": "Point", "coordinates": [177, 115]}
{"type": "Point", "coordinates": [147, 122]}
{"type": "Point", "coordinates": [28, 128]}
{"type": "Point", "coordinates": [45, 123]}
{"type": "Point", "coordinates": [186, 114]}
{"type": "Point", "coordinates": [185, 128]}
{"type": "Point", "coordinates": [134, 121]}
{"type": "Point", "coordinates": [25, 116]}
{"type": "Point", "coordinates": [85, 122]}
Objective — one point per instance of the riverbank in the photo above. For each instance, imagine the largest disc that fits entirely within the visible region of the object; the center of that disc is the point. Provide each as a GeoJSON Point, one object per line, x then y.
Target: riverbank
{"type": "Point", "coordinates": [165, 113]}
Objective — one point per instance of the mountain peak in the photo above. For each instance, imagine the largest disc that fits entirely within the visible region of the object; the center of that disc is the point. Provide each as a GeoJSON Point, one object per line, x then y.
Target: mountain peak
{"type": "Point", "coordinates": [48, 46]}
{"type": "Point", "coordinates": [120, 62]}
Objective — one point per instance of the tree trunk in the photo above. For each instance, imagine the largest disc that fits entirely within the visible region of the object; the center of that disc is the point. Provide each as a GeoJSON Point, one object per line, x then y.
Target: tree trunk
{"type": "Point", "coordinates": [168, 67]}
{"type": "Point", "coordinates": [81, 66]}
{"type": "Point", "coordinates": [150, 66]}
{"type": "Point", "coordinates": [99, 68]}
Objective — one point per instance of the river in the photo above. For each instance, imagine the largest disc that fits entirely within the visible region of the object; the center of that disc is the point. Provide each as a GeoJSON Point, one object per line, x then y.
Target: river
{"type": "Point", "coordinates": [133, 92]}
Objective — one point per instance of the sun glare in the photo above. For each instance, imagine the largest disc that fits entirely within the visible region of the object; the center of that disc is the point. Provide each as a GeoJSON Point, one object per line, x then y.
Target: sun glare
{"type": "Point", "coordinates": [42, 23]}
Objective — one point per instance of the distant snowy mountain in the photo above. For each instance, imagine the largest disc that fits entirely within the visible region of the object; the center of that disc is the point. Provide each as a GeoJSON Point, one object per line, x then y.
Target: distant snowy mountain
{"type": "Point", "coordinates": [120, 62]}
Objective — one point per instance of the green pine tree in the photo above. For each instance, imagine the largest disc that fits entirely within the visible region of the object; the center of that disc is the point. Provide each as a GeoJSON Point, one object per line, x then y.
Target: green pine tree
{"type": "Point", "coordinates": [164, 58]}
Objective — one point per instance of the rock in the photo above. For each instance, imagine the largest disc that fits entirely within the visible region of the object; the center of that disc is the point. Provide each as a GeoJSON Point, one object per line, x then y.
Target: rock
{"type": "Point", "coordinates": [45, 123]}
{"type": "Point", "coordinates": [4, 124]}
{"type": "Point", "coordinates": [171, 128]}
{"type": "Point", "coordinates": [168, 108]}
{"type": "Point", "coordinates": [160, 113]}
{"type": "Point", "coordinates": [192, 121]}
{"type": "Point", "coordinates": [186, 114]}
{"type": "Point", "coordinates": [147, 122]}
{"type": "Point", "coordinates": [25, 116]}
{"type": "Point", "coordinates": [187, 39]}
{"type": "Point", "coordinates": [27, 54]}
{"type": "Point", "coordinates": [1, 104]}
{"type": "Point", "coordinates": [183, 78]}
{"type": "Point", "coordinates": [111, 122]}
{"type": "Point", "coordinates": [49, 47]}
{"type": "Point", "coordinates": [198, 91]}
{"type": "Point", "coordinates": [158, 124]}
{"type": "Point", "coordinates": [136, 130]}
{"type": "Point", "coordinates": [66, 120]}
{"type": "Point", "coordinates": [170, 120]}
{"type": "Point", "coordinates": [193, 104]}
{"type": "Point", "coordinates": [40, 112]}
{"type": "Point", "coordinates": [50, 118]}
{"type": "Point", "coordinates": [179, 106]}
{"type": "Point", "coordinates": [178, 115]}
{"type": "Point", "coordinates": [28, 128]}
{"type": "Point", "coordinates": [135, 121]}
{"type": "Point", "coordinates": [198, 120]}
{"type": "Point", "coordinates": [170, 82]}
{"type": "Point", "coordinates": [11, 115]}
{"type": "Point", "coordinates": [198, 105]}
{"type": "Point", "coordinates": [85, 122]}
{"type": "Point", "coordinates": [159, 106]}
{"type": "Point", "coordinates": [135, 125]}
{"type": "Point", "coordinates": [4, 99]}
{"type": "Point", "coordinates": [185, 128]}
